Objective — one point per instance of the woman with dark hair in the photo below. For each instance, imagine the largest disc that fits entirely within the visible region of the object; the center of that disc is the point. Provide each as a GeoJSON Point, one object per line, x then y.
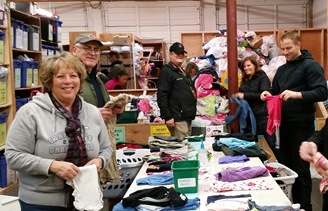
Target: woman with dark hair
{"type": "Point", "coordinates": [254, 82]}
{"type": "Point", "coordinates": [53, 135]}
{"type": "Point", "coordinates": [120, 79]}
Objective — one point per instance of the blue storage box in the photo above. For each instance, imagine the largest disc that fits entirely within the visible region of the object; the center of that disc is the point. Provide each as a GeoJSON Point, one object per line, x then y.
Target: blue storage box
{"type": "Point", "coordinates": [35, 79]}
{"type": "Point", "coordinates": [3, 128]}
{"type": "Point", "coordinates": [25, 36]}
{"type": "Point", "coordinates": [13, 32]}
{"type": "Point", "coordinates": [18, 73]}
{"type": "Point", "coordinates": [51, 50]}
{"type": "Point", "coordinates": [21, 101]}
{"type": "Point", "coordinates": [3, 172]}
{"type": "Point", "coordinates": [57, 30]}
{"type": "Point", "coordinates": [33, 38]}
{"type": "Point", "coordinates": [27, 73]}
{"type": "Point", "coordinates": [2, 49]}
{"type": "Point", "coordinates": [44, 51]}
{"type": "Point", "coordinates": [19, 34]}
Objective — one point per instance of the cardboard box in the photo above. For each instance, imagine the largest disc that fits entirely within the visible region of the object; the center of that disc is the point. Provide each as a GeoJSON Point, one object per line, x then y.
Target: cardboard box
{"type": "Point", "coordinates": [121, 40]}
{"type": "Point", "coordinates": [214, 130]}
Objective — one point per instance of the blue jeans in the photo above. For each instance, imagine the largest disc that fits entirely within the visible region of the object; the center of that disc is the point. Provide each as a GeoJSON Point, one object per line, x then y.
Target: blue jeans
{"type": "Point", "coordinates": [35, 207]}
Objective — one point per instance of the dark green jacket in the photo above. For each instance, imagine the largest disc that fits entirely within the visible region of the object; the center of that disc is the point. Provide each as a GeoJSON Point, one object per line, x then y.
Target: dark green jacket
{"type": "Point", "coordinates": [89, 94]}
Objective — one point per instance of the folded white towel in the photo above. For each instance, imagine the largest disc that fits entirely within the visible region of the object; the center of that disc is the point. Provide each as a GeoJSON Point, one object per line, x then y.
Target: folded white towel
{"type": "Point", "coordinates": [87, 193]}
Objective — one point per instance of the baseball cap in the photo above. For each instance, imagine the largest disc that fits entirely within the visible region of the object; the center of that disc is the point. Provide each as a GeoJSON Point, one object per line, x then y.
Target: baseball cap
{"type": "Point", "coordinates": [84, 38]}
{"type": "Point", "coordinates": [177, 48]}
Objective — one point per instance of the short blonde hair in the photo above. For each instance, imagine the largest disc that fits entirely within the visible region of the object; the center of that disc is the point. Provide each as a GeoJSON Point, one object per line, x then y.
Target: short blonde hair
{"type": "Point", "coordinates": [50, 66]}
{"type": "Point", "coordinates": [292, 35]}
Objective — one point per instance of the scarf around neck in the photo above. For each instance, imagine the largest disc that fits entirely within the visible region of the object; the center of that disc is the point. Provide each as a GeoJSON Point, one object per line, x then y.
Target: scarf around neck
{"type": "Point", "coordinates": [76, 152]}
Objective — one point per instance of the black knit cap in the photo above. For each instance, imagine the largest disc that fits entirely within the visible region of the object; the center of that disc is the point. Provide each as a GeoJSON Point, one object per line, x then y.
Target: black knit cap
{"type": "Point", "coordinates": [177, 48]}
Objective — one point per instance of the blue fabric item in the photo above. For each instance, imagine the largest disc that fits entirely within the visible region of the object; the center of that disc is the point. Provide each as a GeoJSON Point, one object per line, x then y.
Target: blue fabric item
{"type": "Point", "coordinates": [210, 58]}
{"type": "Point", "coordinates": [156, 179]}
{"type": "Point", "coordinates": [233, 159]}
{"type": "Point", "coordinates": [236, 143]}
{"type": "Point", "coordinates": [243, 111]}
{"type": "Point", "coordinates": [119, 207]}
{"type": "Point", "coordinates": [214, 198]}
{"type": "Point", "coordinates": [192, 204]}
{"type": "Point", "coordinates": [253, 206]}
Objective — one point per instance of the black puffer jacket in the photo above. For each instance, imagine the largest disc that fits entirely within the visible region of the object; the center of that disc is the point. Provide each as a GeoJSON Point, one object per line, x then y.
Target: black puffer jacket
{"type": "Point", "coordinates": [174, 95]}
{"type": "Point", "coordinates": [252, 90]}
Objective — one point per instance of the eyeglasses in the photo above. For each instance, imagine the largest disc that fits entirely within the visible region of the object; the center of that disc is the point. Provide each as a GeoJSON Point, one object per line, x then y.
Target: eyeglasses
{"type": "Point", "coordinates": [89, 49]}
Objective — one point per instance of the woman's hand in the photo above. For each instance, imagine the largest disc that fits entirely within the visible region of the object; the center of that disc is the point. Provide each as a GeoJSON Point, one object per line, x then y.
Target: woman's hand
{"type": "Point", "coordinates": [308, 150]}
{"type": "Point", "coordinates": [64, 170]}
{"type": "Point", "coordinates": [239, 95]}
{"type": "Point", "coordinates": [97, 161]}
{"type": "Point", "coordinates": [264, 95]}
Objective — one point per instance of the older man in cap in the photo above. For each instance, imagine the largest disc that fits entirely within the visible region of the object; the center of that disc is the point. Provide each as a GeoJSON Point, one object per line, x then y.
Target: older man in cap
{"type": "Point", "coordinates": [176, 95]}
{"type": "Point", "coordinates": [87, 49]}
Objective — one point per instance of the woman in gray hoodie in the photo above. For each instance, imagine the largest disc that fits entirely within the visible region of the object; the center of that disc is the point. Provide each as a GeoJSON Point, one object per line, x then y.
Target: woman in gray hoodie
{"type": "Point", "coordinates": [53, 135]}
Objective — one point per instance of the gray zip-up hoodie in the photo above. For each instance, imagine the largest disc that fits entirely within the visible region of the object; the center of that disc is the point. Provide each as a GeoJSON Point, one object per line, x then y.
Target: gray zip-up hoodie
{"type": "Point", "coordinates": [37, 136]}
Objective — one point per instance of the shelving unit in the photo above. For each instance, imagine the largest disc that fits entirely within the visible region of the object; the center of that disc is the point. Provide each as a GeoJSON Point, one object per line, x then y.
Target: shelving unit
{"type": "Point", "coordinates": [155, 51]}
{"type": "Point", "coordinates": [128, 58]}
{"type": "Point", "coordinates": [9, 106]}
{"type": "Point", "coordinates": [36, 55]}
{"type": "Point", "coordinates": [12, 53]}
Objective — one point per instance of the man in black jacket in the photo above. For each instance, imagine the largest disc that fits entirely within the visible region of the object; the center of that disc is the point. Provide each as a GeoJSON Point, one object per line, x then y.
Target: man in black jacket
{"type": "Point", "coordinates": [300, 83]}
{"type": "Point", "coordinates": [176, 95]}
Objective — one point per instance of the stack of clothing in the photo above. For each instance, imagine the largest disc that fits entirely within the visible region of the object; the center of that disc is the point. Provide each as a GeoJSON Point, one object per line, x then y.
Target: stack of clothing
{"type": "Point", "coordinates": [157, 198]}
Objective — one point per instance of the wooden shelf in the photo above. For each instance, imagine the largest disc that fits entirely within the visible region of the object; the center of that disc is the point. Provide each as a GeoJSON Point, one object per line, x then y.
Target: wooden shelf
{"type": "Point", "coordinates": [28, 88]}
{"type": "Point", "coordinates": [8, 188]}
{"type": "Point", "coordinates": [27, 18]}
{"type": "Point", "coordinates": [5, 106]}
{"type": "Point", "coordinates": [18, 50]}
{"type": "Point", "coordinates": [3, 27]}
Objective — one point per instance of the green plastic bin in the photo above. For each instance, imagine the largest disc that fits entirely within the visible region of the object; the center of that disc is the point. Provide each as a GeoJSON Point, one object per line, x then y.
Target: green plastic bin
{"type": "Point", "coordinates": [185, 173]}
{"type": "Point", "coordinates": [128, 117]}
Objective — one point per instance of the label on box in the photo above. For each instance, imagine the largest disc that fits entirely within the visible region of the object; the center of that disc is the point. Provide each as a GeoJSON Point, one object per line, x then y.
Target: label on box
{"type": "Point", "coordinates": [187, 182]}
{"type": "Point", "coordinates": [119, 134]}
{"type": "Point", "coordinates": [159, 130]}
{"type": "Point", "coordinates": [214, 130]}
{"type": "Point", "coordinates": [3, 129]}
{"type": "Point", "coordinates": [29, 73]}
{"type": "Point", "coordinates": [3, 92]}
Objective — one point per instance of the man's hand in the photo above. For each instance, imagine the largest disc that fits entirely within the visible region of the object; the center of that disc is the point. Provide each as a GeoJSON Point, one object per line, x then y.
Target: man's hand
{"type": "Point", "coordinates": [106, 113]}
{"type": "Point", "coordinates": [287, 94]}
{"type": "Point", "coordinates": [170, 123]}
{"type": "Point", "coordinates": [264, 95]}
{"type": "Point", "coordinates": [308, 150]}
{"type": "Point", "coordinates": [118, 110]}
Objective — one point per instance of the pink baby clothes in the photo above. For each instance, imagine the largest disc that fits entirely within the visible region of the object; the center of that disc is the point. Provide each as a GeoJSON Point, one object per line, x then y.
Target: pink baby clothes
{"type": "Point", "coordinates": [274, 104]}
{"type": "Point", "coordinates": [219, 186]}
{"type": "Point", "coordinates": [321, 166]}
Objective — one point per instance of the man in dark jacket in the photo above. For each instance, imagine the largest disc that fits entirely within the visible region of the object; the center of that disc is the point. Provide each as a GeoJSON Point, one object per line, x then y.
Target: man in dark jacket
{"type": "Point", "coordinates": [300, 83]}
{"type": "Point", "coordinates": [176, 95]}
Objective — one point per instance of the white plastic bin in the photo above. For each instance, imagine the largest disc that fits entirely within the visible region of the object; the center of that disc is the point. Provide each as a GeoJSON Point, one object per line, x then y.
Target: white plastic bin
{"type": "Point", "coordinates": [286, 182]}
{"type": "Point", "coordinates": [129, 162]}
{"type": "Point", "coordinates": [127, 158]}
